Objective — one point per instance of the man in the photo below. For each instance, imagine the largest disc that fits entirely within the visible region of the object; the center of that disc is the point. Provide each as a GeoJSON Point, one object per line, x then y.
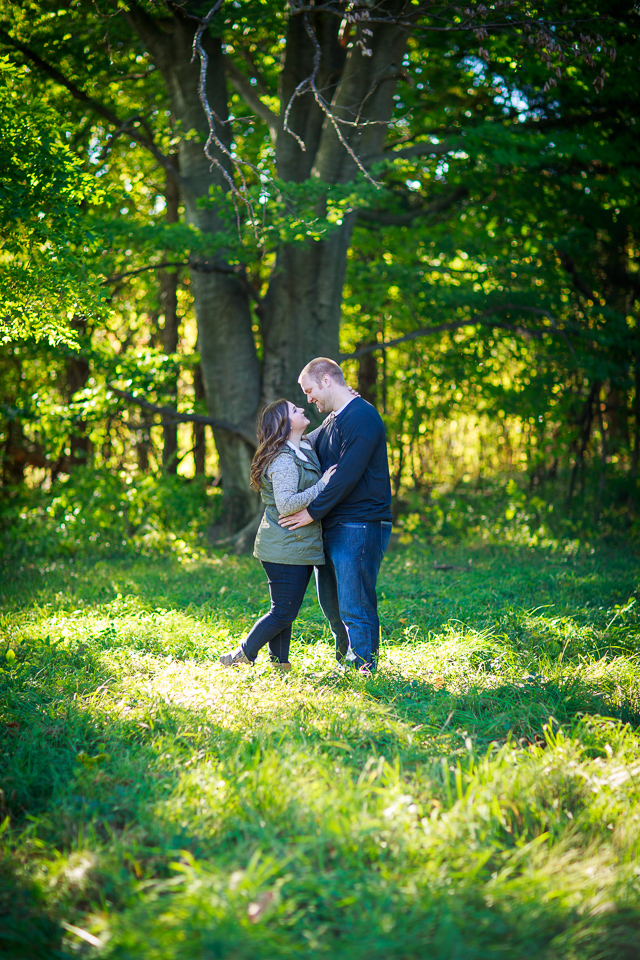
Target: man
{"type": "Point", "coordinates": [354, 509]}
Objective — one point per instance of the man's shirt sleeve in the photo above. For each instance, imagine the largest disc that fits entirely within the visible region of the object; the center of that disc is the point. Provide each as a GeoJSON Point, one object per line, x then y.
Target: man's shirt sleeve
{"type": "Point", "coordinates": [359, 441]}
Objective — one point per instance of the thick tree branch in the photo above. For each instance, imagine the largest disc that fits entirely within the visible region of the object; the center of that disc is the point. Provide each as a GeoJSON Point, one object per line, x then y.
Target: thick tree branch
{"type": "Point", "coordinates": [147, 28]}
{"type": "Point", "coordinates": [511, 119]}
{"type": "Point", "coordinates": [255, 72]}
{"type": "Point", "coordinates": [151, 266]}
{"type": "Point", "coordinates": [205, 266]}
{"type": "Point", "coordinates": [578, 282]}
{"type": "Point", "coordinates": [344, 120]}
{"type": "Point", "coordinates": [214, 143]}
{"type": "Point", "coordinates": [425, 148]}
{"type": "Point", "coordinates": [458, 324]}
{"type": "Point", "coordinates": [177, 417]}
{"type": "Point", "coordinates": [389, 219]}
{"type": "Point", "coordinates": [202, 266]}
{"type": "Point", "coordinates": [55, 74]}
{"type": "Point", "coordinates": [250, 95]}
{"type": "Point", "coordinates": [422, 149]}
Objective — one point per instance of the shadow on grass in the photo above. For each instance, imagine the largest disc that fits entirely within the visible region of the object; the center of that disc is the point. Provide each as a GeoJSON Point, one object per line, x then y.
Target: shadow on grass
{"type": "Point", "coordinates": [96, 788]}
{"type": "Point", "coordinates": [110, 794]}
{"type": "Point", "coordinates": [505, 710]}
{"type": "Point", "coordinates": [74, 778]}
{"type": "Point", "coordinates": [152, 581]}
{"type": "Point", "coordinates": [27, 929]}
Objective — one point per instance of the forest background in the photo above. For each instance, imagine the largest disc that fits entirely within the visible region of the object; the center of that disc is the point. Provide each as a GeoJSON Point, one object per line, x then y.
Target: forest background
{"type": "Point", "coordinates": [195, 199]}
{"type": "Point", "coordinates": [442, 198]}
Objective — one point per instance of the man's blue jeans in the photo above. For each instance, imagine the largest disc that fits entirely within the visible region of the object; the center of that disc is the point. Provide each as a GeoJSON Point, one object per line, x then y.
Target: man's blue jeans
{"type": "Point", "coordinates": [347, 588]}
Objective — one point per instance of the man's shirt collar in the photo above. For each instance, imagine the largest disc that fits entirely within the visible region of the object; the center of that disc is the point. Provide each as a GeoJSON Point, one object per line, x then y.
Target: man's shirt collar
{"type": "Point", "coordinates": [344, 405]}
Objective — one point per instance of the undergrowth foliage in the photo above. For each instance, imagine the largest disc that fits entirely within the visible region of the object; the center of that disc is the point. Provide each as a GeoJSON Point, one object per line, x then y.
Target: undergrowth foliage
{"type": "Point", "coordinates": [477, 798]}
{"type": "Point", "coordinates": [103, 513]}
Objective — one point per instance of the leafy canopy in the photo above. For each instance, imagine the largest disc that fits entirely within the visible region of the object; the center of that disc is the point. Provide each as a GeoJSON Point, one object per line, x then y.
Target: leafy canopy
{"type": "Point", "coordinates": [45, 233]}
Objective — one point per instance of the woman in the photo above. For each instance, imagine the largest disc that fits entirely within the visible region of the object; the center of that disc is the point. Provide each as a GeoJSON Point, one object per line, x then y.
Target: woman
{"type": "Point", "coordinates": [287, 473]}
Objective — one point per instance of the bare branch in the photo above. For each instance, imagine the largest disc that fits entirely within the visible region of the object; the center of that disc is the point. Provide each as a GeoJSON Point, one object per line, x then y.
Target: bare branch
{"type": "Point", "coordinates": [483, 318]}
{"type": "Point", "coordinates": [309, 85]}
{"type": "Point", "coordinates": [414, 335]}
{"type": "Point", "coordinates": [151, 266]}
{"type": "Point", "coordinates": [106, 112]}
{"type": "Point", "coordinates": [255, 72]}
{"type": "Point", "coordinates": [120, 78]}
{"type": "Point", "coordinates": [421, 150]}
{"type": "Point", "coordinates": [241, 194]}
{"type": "Point", "coordinates": [303, 86]}
{"type": "Point", "coordinates": [146, 26]}
{"type": "Point", "coordinates": [543, 313]}
{"type": "Point", "coordinates": [554, 41]}
{"type": "Point", "coordinates": [203, 266]}
{"type": "Point", "coordinates": [177, 417]}
{"type": "Point", "coordinates": [250, 96]}
{"type": "Point", "coordinates": [578, 282]}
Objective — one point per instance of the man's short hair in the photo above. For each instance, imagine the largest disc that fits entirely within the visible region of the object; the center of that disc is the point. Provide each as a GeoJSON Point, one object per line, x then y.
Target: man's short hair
{"type": "Point", "coordinates": [321, 367]}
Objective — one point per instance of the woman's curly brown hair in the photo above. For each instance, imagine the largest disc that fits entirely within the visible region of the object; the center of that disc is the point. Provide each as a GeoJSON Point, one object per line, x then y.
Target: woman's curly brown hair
{"type": "Point", "coordinates": [274, 429]}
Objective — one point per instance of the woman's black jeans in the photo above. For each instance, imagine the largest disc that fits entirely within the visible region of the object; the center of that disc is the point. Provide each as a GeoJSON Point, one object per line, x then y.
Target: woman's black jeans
{"type": "Point", "coordinates": [287, 585]}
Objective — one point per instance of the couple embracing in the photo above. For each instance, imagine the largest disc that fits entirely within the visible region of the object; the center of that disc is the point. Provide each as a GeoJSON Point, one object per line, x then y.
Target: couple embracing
{"type": "Point", "coordinates": [327, 500]}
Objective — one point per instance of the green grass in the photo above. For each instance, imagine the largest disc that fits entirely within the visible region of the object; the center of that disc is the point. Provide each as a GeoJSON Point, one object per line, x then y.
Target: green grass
{"type": "Point", "coordinates": [478, 798]}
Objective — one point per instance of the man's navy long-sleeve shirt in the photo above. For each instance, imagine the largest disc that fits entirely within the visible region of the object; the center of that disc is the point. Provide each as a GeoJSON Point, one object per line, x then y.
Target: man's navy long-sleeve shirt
{"type": "Point", "coordinates": [360, 489]}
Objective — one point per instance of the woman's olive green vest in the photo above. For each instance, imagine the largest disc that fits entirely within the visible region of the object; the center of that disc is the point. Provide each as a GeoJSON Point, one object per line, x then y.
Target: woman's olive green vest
{"type": "Point", "coordinates": [276, 544]}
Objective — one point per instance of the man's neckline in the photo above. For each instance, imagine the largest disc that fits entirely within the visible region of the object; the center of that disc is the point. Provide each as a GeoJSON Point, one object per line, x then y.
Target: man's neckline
{"type": "Point", "coordinates": [336, 413]}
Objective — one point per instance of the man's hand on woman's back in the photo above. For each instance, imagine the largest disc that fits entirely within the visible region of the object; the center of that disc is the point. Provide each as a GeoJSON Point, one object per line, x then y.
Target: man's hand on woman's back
{"type": "Point", "coordinates": [299, 519]}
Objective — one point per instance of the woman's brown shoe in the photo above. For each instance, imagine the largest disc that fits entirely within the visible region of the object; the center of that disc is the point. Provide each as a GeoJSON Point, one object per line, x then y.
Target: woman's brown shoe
{"type": "Point", "coordinates": [234, 658]}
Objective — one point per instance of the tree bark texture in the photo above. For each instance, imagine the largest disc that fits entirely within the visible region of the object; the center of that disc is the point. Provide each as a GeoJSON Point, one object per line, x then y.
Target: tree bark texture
{"type": "Point", "coordinates": [229, 362]}
{"type": "Point", "coordinates": [77, 374]}
{"type": "Point", "coordinates": [199, 436]}
{"type": "Point", "coordinates": [169, 307]}
{"type": "Point", "coordinates": [368, 375]}
{"type": "Point", "coordinates": [301, 312]}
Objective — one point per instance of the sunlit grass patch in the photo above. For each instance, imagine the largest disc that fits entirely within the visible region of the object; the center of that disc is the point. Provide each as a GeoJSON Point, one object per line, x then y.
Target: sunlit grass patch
{"type": "Point", "coordinates": [478, 797]}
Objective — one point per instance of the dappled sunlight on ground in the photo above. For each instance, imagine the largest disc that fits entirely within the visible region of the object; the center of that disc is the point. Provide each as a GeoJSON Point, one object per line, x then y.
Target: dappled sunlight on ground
{"type": "Point", "coordinates": [481, 788]}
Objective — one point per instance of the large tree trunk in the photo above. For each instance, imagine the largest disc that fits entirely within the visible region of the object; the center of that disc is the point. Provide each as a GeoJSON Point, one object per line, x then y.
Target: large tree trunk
{"type": "Point", "coordinates": [13, 459]}
{"type": "Point", "coordinates": [169, 306]}
{"type": "Point", "coordinates": [301, 311]}
{"type": "Point", "coordinates": [229, 360]}
{"type": "Point", "coordinates": [368, 374]}
{"type": "Point", "coordinates": [77, 371]}
{"type": "Point", "coordinates": [300, 314]}
{"type": "Point", "coordinates": [199, 436]}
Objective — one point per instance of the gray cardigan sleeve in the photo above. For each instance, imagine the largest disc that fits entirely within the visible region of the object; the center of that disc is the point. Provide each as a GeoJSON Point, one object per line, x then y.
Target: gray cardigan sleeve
{"type": "Point", "coordinates": [313, 436]}
{"type": "Point", "coordinates": [283, 474]}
